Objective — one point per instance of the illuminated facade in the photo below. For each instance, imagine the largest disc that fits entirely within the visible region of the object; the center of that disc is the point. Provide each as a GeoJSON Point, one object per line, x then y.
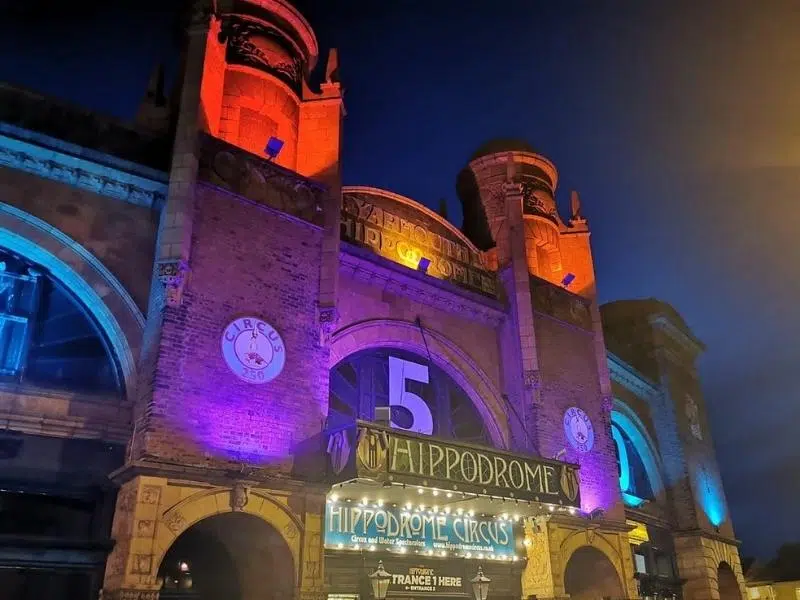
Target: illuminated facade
{"type": "Point", "coordinates": [289, 381]}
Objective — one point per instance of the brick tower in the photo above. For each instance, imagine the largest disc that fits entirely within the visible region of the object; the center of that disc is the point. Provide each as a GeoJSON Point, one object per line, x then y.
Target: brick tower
{"type": "Point", "coordinates": [248, 240]}
{"type": "Point", "coordinates": [554, 340]}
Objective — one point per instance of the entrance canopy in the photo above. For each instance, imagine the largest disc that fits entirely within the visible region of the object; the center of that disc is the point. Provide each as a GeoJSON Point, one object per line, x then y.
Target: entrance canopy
{"type": "Point", "coordinates": [396, 491]}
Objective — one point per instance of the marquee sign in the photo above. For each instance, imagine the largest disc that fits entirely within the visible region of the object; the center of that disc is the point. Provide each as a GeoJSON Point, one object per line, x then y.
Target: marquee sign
{"type": "Point", "coordinates": [404, 234]}
{"type": "Point", "coordinates": [349, 524]}
{"type": "Point", "coordinates": [386, 455]}
{"type": "Point", "coordinates": [253, 350]}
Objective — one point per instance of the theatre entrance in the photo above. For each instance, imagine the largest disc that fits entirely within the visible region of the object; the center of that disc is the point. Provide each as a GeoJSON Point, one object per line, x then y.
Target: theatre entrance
{"type": "Point", "coordinates": [236, 556]}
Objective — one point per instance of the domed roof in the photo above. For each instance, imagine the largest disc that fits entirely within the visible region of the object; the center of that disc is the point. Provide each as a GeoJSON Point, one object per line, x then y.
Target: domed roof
{"type": "Point", "coordinates": [497, 145]}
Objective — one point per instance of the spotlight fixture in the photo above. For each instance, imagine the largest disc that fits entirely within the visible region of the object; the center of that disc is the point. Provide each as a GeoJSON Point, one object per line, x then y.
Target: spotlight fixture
{"type": "Point", "coordinates": [568, 279]}
{"type": "Point", "coordinates": [423, 264]}
{"type": "Point", "coordinates": [273, 148]}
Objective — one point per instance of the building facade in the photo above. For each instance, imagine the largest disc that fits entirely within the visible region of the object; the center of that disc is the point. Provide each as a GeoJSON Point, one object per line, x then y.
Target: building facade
{"type": "Point", "coordinates": [227, 375]}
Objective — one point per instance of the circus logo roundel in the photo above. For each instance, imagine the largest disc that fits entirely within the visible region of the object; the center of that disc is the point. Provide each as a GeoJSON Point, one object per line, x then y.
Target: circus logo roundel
{"type": "Point", "coordinates": [578, 429]}
{"type": "Point", "coordinates": [253, 350]}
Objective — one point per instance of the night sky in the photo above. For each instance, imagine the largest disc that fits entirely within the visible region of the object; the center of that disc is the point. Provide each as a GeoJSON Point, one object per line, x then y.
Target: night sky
{"type": "Point", "coordinates": [679, 123]}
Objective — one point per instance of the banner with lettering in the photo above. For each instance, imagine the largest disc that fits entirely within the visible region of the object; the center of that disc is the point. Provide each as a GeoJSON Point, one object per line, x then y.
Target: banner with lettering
{"type": "Point", "coordinates": [387, 455]}
{"type": "Point", "coordinates": [349, 524]}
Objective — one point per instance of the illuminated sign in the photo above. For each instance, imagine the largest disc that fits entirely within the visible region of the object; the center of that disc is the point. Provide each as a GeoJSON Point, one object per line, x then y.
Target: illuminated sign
{"type": "Point", "coordinates": [386, 455]}
{"type": "Point", "coordinates": [404, 239]}
{"type": "Point", "coordinates": [422, 579]}
{"type": "Point", "coordinates": [350, 524]}
{"type": "Point", "coordinates": [253, 350]}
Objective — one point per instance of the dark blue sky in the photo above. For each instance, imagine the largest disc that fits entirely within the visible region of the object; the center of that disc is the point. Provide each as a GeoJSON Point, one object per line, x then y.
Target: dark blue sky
{"type": "Point", "coordinates": [677, 121]}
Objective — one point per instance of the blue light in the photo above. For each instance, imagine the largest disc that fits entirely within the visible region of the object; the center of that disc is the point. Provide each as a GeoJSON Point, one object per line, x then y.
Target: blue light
{"type": "Point", "coordinates": [709, 493]}
{"type": "Point", "coordinates": [631, 500]}
{"type": "Point", "coordinates": [628, 422]}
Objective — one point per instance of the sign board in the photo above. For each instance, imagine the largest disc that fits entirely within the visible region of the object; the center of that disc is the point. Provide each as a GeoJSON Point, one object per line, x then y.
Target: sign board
{"type": "Point", "coordinates": [404, 233]}
{"type": "Point", "coordinates": [385, 455]}
{"type": "Point", "coordinates": [438, 580]}
{"type": "Point", "coordinates": [349, 524]}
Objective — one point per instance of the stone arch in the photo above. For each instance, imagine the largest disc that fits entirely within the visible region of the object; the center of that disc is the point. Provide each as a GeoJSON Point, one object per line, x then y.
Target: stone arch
{"type": "Point", "coordinates": [626, 419]}
{"type": "Point", "coordinates": [204, 504]}
{"type": "Point", "coordinates": [81, 272]}
{"type": "Point", "coordinates": [591, 538]}
{"type": "Point", "coordinates": [405, 335]}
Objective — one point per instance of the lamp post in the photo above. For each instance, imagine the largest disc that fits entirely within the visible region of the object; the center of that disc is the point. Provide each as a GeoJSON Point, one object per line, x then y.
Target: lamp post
{"type": "Point", "coordinates": [480, 585]}
{"type": "Point", "coordinates": [380, 582]}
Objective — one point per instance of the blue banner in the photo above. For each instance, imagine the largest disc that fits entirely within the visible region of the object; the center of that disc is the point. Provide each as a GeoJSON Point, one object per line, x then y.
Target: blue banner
{"type": "Point", "coordinates": [349, 525]}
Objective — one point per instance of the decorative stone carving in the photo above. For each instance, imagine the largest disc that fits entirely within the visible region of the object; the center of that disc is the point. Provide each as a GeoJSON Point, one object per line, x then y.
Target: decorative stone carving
{"type": "Point", "coordinates": [172, 275]}
{"type": "Point", "coordinates": [106, 182]}
{"type": "Point", "coordinates": [175, 521]}
{"type": "Point", "coordinates": [532, 379]}
{"type": "Point", "coordinates": [151, 494]}
{"type": "Point", "coordinates": [142, 563]}
{"type": "Point", "coordinates": [239, 498]}
{"type": "Point", "coordinates": [328, 322]}
{"type": "Point", "coordinates": [262, 46]}
{"type": "Point", "coordinates": [260, 180]}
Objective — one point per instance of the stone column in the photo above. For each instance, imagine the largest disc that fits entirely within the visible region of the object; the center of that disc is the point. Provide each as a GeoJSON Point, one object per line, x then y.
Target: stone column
{"type": "Point", "coordinates": [131, 570]}
{"type": "Point", "coordinates": [312, 575]}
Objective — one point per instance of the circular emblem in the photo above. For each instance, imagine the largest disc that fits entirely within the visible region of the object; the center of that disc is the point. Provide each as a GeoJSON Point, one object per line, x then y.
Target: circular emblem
{"type": "Point", "coordinates": [253, 350]}
{"type": "Point", "coordinates": [578, 429]}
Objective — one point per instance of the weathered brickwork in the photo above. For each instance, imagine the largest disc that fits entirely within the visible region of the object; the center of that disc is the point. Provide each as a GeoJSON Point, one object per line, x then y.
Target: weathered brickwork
{"type": "Point", "coordinates": [247, 260]}
{"type": "Point", "coordinates": [121, 235]}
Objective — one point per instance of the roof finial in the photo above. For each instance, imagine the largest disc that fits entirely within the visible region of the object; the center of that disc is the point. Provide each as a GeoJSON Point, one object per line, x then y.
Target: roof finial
{"type": "Point", "coordinates": [575, 206]}
{"type": "Point", "coordinates": [332, 68]}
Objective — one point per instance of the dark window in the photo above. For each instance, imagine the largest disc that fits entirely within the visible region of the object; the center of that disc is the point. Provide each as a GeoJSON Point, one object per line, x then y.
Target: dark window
{"type": "Point", "coordinates": [47, 337]}
{"type": "Point", "coordinates": [365, 380]}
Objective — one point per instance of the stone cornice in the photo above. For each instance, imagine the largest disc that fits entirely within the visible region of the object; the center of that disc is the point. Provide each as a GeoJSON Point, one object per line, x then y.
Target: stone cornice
{"type": "Point", "coordinates": [700, 533]}
{"type": "Point", "coordinates": [629, 378]}
{"type": "Point", "coordinates": [80, 167]}
{"type": "Point", "coordinates": [685, 340]}
{"type": "Point", "coordinates": [396, 279]}
{"type": "Point", "coordinates": [214, 475]}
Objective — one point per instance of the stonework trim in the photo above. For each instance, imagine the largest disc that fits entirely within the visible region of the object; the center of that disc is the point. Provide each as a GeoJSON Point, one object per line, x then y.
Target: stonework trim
{"type": "Point", "coordinates": [597, 540]}
{"type": "Point", "coordinates": [208, 503]}
{"type": "Point", "coordinates": [405, 335]}
{"type": "Point", "coordinates": [82, 273]}
{"type": "Point", "coordinates": [633, 381]}
{"type": "Point", "coordinates": [96, 177]}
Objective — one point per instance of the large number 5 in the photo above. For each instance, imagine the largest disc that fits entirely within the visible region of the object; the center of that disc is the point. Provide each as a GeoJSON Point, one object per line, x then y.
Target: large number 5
{"type": "Point", "coordinates": [401, 371]}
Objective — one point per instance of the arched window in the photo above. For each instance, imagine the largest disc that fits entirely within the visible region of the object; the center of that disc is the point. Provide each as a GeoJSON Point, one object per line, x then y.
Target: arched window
{"type": "Point", "coordinates": [47, 337]}
{"type": "Point", "coordinates": [422, 397]}
{"type": "Point", "coordinates": [639, 476]}
{"type": "Point", "coordinates": [632, 475]}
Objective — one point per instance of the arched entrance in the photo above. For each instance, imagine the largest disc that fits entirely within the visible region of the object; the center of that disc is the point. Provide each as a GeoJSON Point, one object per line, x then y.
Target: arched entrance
{"type": "Point", "coordinates": [236, 556]}
{"type": "Point", "coordinates": [726, 581]}
{"type": "Point", "coordinates": [590, 575]}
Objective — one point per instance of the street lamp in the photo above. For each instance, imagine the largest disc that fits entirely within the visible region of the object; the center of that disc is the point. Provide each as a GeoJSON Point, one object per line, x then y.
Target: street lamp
{"type": "Point", "coordinates": [480, 585]}
{"type": "Point", "coordinates": [380, 582]}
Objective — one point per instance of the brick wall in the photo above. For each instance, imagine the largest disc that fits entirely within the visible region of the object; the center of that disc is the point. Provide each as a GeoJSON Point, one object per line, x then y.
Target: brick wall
{"type": "Point", "coordinates": [246, 260]}
{"type": "Point", "coordinates": [568, 367]}
{"type": "Point", "coordinates": [121, 235]}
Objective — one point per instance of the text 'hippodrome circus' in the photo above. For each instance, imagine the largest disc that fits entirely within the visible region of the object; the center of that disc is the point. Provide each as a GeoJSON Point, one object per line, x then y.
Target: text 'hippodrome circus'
{"type": "Point", "coordinates": [390, 527]}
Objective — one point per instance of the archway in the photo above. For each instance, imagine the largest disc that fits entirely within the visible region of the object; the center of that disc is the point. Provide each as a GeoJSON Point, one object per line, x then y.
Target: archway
{"type": "Point", "coordinates": [236, 556]}
{"type": "Point", "coordinates": [727, 583]}
{"type": "Point", "coordinates": [590, 575]}
{"type": "Point", "coordinates": [443, 352]}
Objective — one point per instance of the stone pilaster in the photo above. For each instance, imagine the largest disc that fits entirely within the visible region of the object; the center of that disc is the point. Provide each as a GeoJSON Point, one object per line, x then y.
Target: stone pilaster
{"type": "Point", "coordinates": [699, 559]}
{"type": "Point", "coordinates": [175, 229]}
{"type": "Point", "coordinates": [537, 578]}
{"type": "Point", "coordinates": [131, 569]}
